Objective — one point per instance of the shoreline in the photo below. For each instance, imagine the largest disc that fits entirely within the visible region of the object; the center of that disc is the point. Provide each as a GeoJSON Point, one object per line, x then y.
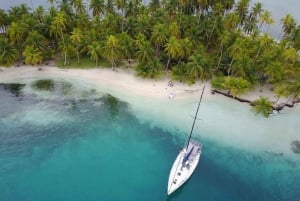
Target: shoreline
{"type": "Point", "coordinates": [224, 120]}
{"type": "Point", "coordinates": [125, 78]}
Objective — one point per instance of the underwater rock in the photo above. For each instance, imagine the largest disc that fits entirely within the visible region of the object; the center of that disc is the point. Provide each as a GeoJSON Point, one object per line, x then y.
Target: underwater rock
{"type": "Point", "coordinates": [295, 146]}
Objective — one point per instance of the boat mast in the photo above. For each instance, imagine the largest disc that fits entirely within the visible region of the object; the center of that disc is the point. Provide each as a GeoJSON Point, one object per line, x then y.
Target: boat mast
{"type": "Point", "coordinates": [190, 135]}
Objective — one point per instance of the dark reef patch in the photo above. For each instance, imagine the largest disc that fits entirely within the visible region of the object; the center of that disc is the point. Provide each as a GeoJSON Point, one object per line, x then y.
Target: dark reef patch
{"type": "Point", "coordinates": [295, 146]}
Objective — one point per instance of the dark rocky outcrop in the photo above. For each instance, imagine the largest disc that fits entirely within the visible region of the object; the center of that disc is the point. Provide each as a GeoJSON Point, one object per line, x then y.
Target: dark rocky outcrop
{"type": "Point", "coordinates": [295, 146]}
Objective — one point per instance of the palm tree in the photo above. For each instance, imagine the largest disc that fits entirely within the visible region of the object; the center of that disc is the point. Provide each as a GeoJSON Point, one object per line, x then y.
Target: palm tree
{"type": "Point", "coordinates": [58, 25]}
{"type": "Point", "coordinates": [97, 7]}
{"type": "Point", "coordinates": [223, 40]}
{"type": "Point", "coordinates": [126, 45]}
{"type": "Point", "coordinates": [94, 49]}
{"type": "Point", "coordinates": [266, 18]}
{"type": "Point", "coordinates": [79, 6]}
{"type": "Point", "coordinates": [111, 50]}
{"type": "Point", "coordinates": [195, 66]}
{"type": "Point", "coordinates": [288, 24]}
{"type": "Point", "coordinates": [152, 69]}
{"type": "Point", "coordinates": [174, 30]}
{"type": "Point", "coordinates": [237, 85]}
{"type": "Point", "coordinates": [76, 38]}
{"type": "Point", "coordinates": [57, 29]}
{"type": "Point", "coordinates": [234, 85]}
{"type": "Point", "coordinates": [159, 37]}
{"type": "Point", "coordinates": [263, 105]}
{"type": "Point", "coordinates": [36, 40]}
{"type": "Point", "coordinates": [187, 47]}
{"type": "Point", "coordinates": [140, 40]}
{"type": "Point", "coordinates": [8, 52]}
{"type": "Point", "coordinates": [293, 38]}
{"type": "Point", "coordinates": [145, 52]}
{"type": "Point", "coordinates": [231, 21]}
{"type": "Point", "coordinates": [263, 42]}
{"type": "Point", "coordinates": [121, 5]}
{"type": "Point", "coordinates": [16, 12]}
{"type": "Point", "coordinates": [16, 32]}
{"type": "Point", "coordinates": [173, 49]}
{"type": "Point", "coordinates": [235, 51]}
{"type": "Point", "coordinates": [32, 55]}
{"type": "Point", "coordinates": [67, 48]}
{"type": "Point", "coordinates": [274, 71]}
{"type": "Point", "coordinates": [109, 7]}
{"type": "Point", "coordinates": [241, 9]}
{"type": "Point", "coordinates": [199, 65]}
{"type": "Point", "coordinates": [256, 11]}
{"type": "Point", "coordinates": [40, 13]}
{"type": "Point", "coordinates": [203, 5]}
{"type": "Point", "coordinates": [228, 4]}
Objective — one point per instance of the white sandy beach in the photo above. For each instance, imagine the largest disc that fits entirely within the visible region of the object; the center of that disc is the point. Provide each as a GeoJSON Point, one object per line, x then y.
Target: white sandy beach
{"type": "Point", "coordinates": [221, 119]}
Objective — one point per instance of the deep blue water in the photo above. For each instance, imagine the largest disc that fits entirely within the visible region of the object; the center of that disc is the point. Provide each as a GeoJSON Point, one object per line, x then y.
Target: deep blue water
{"type": "Point", "coordinates": [96, 149]}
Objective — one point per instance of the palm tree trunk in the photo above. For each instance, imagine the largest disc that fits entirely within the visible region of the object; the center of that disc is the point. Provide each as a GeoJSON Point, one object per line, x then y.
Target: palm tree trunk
{"type": "Point", "coordinates": [212, 31]}
{"type": "Point", "coordinates": [220, 58]}
{"type": "Point", "coordinates": [77, 56]}
{"type": "Point", "coordinates": [168, 63]}
{"type": "Point", "coordinates": [229, 69]}
{"type": "Point", "coordinates": [65, 56]}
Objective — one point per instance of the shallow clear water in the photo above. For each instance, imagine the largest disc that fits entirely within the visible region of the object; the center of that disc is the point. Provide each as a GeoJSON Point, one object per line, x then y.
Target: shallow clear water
{"type": "Point", "coordinates": [94, 148]}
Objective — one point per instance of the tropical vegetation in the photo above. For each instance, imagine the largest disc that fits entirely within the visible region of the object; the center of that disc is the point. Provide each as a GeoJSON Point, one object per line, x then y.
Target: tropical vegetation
{"type": "Point", "coordinates": [218, 40]}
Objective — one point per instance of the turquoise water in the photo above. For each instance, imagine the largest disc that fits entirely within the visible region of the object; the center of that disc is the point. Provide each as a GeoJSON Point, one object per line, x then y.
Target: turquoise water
{"type": "Point", "coordinates": [94, 148]}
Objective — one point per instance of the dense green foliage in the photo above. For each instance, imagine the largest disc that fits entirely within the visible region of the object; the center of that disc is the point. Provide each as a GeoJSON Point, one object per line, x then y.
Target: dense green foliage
{"type": "Point", "coordinates": [263, 106]}
{"type": "Point", "coordinates": [217, 40]}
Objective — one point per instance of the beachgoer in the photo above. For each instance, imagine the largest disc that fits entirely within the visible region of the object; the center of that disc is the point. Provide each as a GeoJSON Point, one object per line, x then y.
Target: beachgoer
{"type": "Point", "coordinates": [171, 95]}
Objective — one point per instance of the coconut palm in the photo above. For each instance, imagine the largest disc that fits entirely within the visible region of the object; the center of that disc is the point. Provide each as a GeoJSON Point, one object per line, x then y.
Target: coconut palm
{"type": "Point", "coordinates": [16, 32]}
{"type": "Point", "coordinates": [97, 7]}
{"type": "Point", "coordinates": [274, 71]}
{"type": "Point", "coordinates": [266, 18]}
{"type": "Point", "coordinates": [126, 45]}
{"type": "Point", "coordinates": [263, 106]}
{"type": "Point", "coordinates": [241, 9]}
{"type": "Point", "coordinates": [8, 52]}
{"type": "Point", "coordinates": [94, 49]}
{"type": "Point", "coordinates": [159, 37]}
{"type": "Point", "coordinates": [77, 38]}
{"type": "Point", "coordinates": [231, 21]}
{"type": "Point", "coordinates": [40, 13]}
{"type": "Point", "coordinates": [78, 6]}
{"type": "Point", "coordinates": [173, 49]}
{"type": "Point", "coordinates": [145, 52]}
{"type": "Point", "coordinates": [174, 30]}
{"type": "Point", "coordinates": [199, 65]}
{"type": "Point", "coordinates": [58, 25]}
{"type": "Point", "coordinates": [288, 24]}
{"type": "Point", "coordinates": [223, 40]}
{"type": "Point", "coordinates": [112, 50]}
{"type": "Point", "coordinates": [152, 69]}
{"type": "Point", "coordinates": [32, 55]}
{"type": "Point", "coordinates": [121, 5]}
{"type": "Point", "coordinates": [293, 38]}
{"type": "Point", "coordinates": [256, 11]}
{"type": "Point", "coordinates": [36, 40]}
{"type": "Point", "coordinates": [67, 48]}
{"type": "Point", "coordinates": [237, 85]}
{"type": "Point", "coordinates": [187, 47]}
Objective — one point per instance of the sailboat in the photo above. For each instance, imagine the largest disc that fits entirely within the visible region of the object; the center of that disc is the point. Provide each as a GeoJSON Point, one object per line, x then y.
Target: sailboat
{"type": "Point", "coordinates": [186, 161]}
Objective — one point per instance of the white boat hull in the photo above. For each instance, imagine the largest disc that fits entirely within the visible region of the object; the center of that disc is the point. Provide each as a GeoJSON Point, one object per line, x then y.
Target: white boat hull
{"type": "Point", "coordinates": [183, 167]}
